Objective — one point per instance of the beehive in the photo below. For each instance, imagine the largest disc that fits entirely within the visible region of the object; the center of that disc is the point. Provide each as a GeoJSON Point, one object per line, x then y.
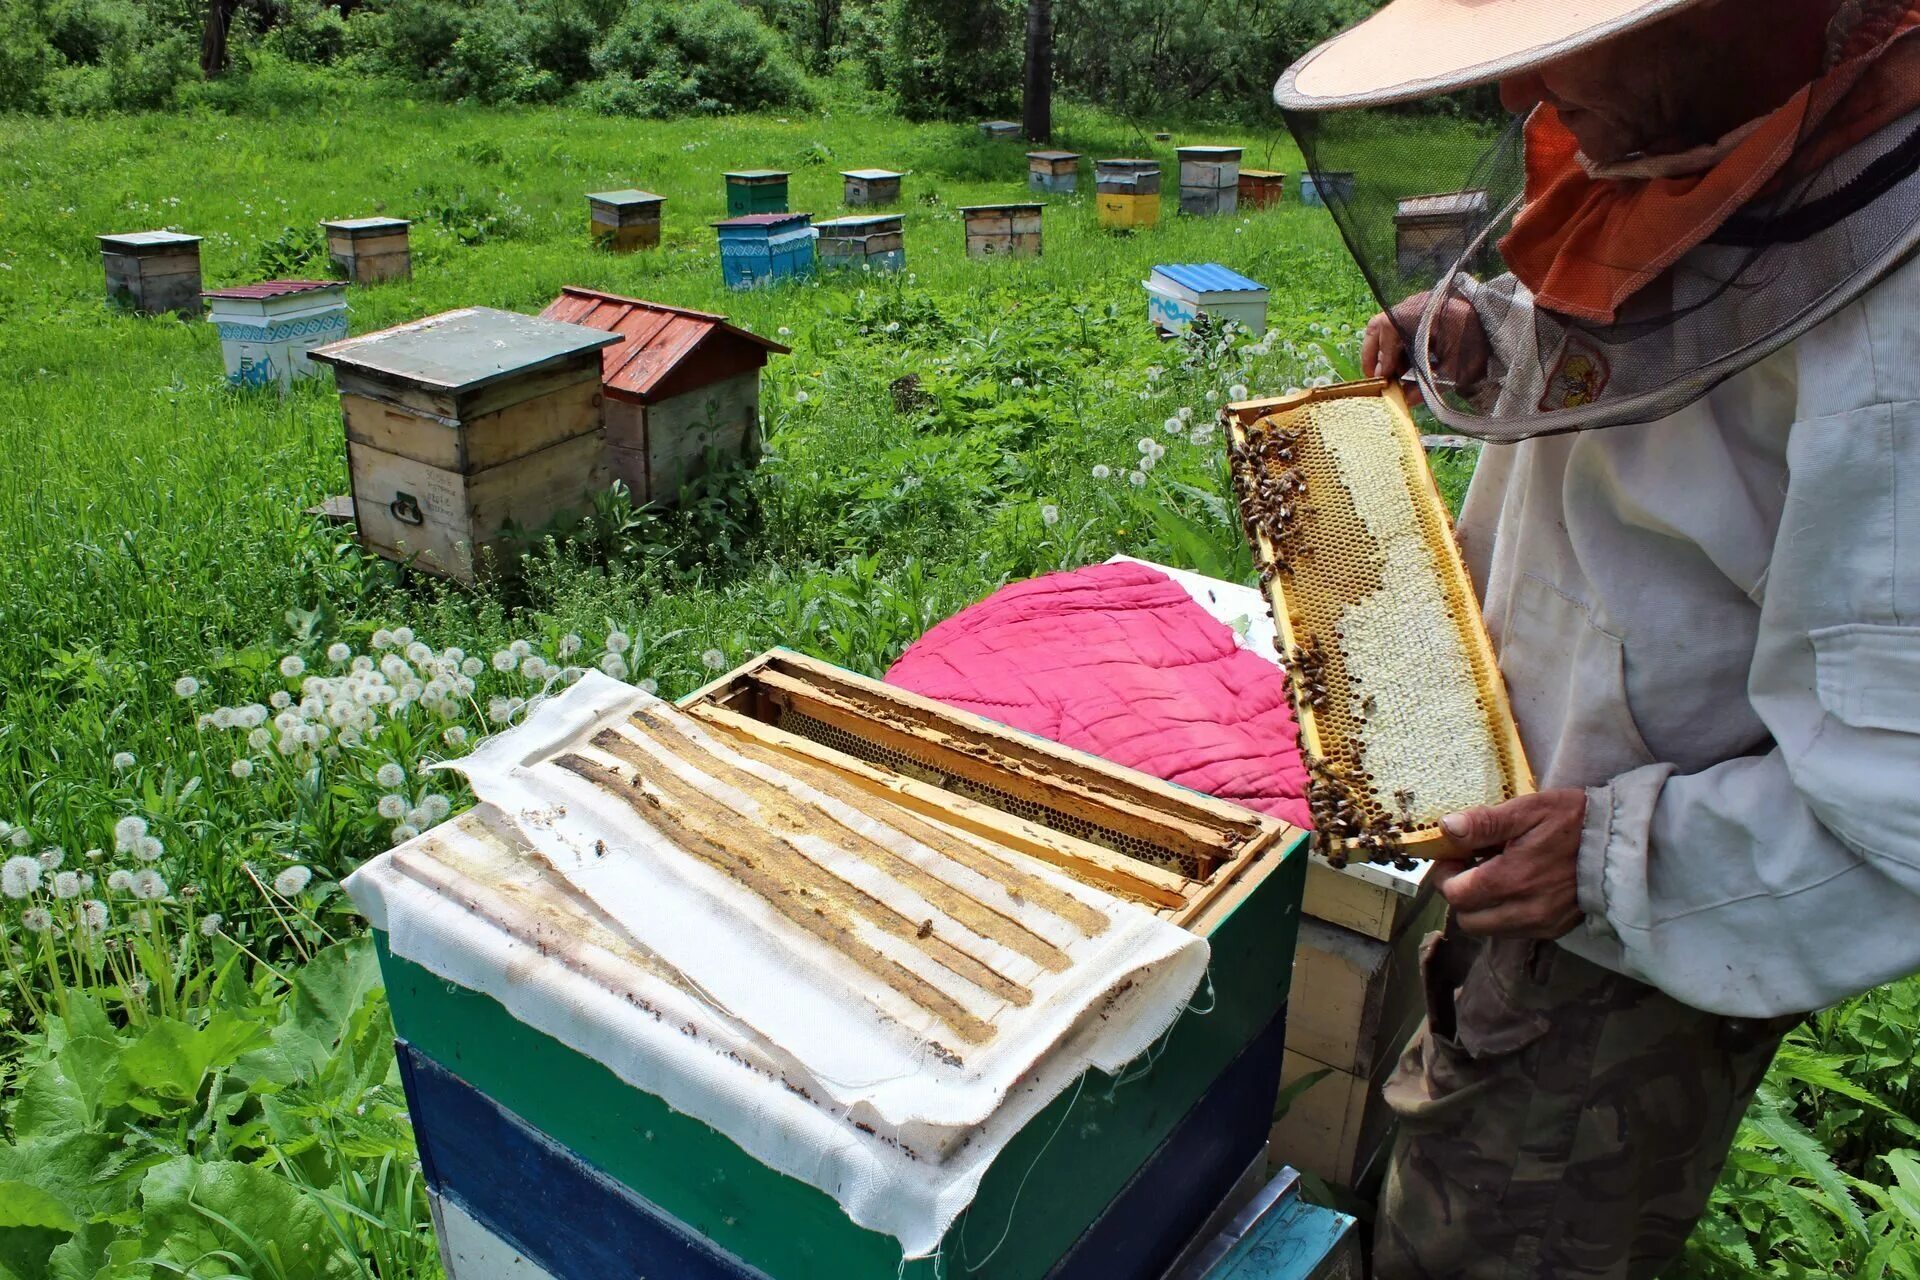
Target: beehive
{"type": "Point", "coordinates": [1261, 188]}
{"type": "Point", "coordinates": [751, 191]}
{"type": "Point", "coordinates": [466, 426]}
{"type": "Point", "coordinates": [1320, 189]}
{"type": "Point", "coordinates": [871, 187]}
{"type": "Point", "coordinates": [1403, 713]}
{"type": "Point", "coordinates": [528, 1135]}
{"type": "Point", "coordinates": [370, 250]}
{"type": "Point", "coordinates": [680, 387]}
{"type": "Point", "coordinates": [1002, 230]}
{"type": "Point", "coordinates": [1179, 294]}
{"type": "Point", "coordinates": [999, 130]}
{"type": "Point", "coordinates": [1209, 180]}
{"type": "Point", "coordinates": [1128, 191]}
{"type": "Point", "coordinates": [623, 221]}
{"type": "Point", "coordinates": [154, 272]}
{"type": "Point", "coordinates": [267, 329]}
{"type": "Point", "coordinates": [871, 242]}
{"type": "Point", "coordinates": [1053, 172]}
{"type": "Point", "coordinates": [1434, 232]}
{"type": "Point", "coordinates": [761, 249]}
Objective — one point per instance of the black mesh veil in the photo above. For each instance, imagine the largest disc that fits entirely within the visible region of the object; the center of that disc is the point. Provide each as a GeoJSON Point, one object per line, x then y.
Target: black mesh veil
{"type": "Point", "coordinates": [1425, 196]}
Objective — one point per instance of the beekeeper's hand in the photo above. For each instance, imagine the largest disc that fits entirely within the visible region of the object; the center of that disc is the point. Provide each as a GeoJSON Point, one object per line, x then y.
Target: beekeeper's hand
{"type": "Point", "coordinates": [1460, 347]}
{"type": "Point", "coordinates": [1527, 884]}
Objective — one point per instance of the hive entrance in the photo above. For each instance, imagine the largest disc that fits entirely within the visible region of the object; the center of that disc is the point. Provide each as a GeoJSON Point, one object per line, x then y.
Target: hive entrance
{"type": "Point", "coordinates": [1403, 713]}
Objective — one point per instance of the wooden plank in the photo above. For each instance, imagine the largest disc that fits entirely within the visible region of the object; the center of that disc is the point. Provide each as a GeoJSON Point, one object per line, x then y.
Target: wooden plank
{"type": "Point", "coordinates": [531, 425]}
{"type": "Point", "coordinates": [532, 491]}
{"type": "Point", "coordinates": [401, 432]}
{"type": "Point", "coordinates": [1336, 1126]}
{"type": "Point", "coordinates": [409, 396]}
{"type": "Point", "coordinates": [1351, 902]}
{"type": "Point", "coordinates": [1354, 998]}
{"type": "Point", "coordinates": [723, 416]}
{"type": "Point", "coordinates": [1113, 871]}
{"type": "Point", "coordinates": [406, 508]}
{"type": "Point", "coordinates": [380, 245]}
{"type": "Point", "coordinates": [335, 510]}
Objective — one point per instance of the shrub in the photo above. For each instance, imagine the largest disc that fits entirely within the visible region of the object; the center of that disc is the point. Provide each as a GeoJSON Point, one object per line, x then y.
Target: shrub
{"type": "Point", "coordinates": [706, 55]}
{"type": "Point", "coordinates": [310, 32]}
{"type": "Point", "coordinates": [956, 57]}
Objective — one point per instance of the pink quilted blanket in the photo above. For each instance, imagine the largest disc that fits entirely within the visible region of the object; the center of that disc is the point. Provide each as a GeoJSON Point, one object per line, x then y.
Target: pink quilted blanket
{"type": "Point", "coordinates": [1117, 660]}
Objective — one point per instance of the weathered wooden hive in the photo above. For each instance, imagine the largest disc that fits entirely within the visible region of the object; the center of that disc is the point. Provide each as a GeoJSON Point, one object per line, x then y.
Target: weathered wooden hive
{"type": "Point", "coordinates": [624, 221]}
{"type": "Point", "coordinates": [1260, 188]}
{"type": "Point", "coordinates": [1128, 191]}
{"type": "Point", "coordinates": [871, 187]}
{"type": "Point", "coordinates": [872, 242]}
{"type": "Point", "coordinates": [1002, 230]}
{"type": "Point", "coordinates": [1403, 713]}
{"type": "Point", "coordinates": [667, 998]}
{"type": "Point", "coordinates": [751, 191]}
{"type": "Point", "coordinates": [1209, 180]}
{"type": "Point", "coordinates": [370, 250]}
{"type": "Point", "coordinates": [679, 386]}
{"type": "Point", "coordinates": [760, 249]}
{"type": "Point", "coordinates": [467, 426]}
{"type": "Point", "coordinates": [1434, 231]}
{"type": "Point", "coordinates": [1177, 294]}
{"type": "Point", "coordinates": [1321, 189]}
{"type": "Point", "coordinates": [1053, 172]}
{"type": "Point", "coordinates": [267, 329]}
{"type": "Point", "coordinates": [154, 272]}
{"type": "Point", "coordinates": [1000, 130]}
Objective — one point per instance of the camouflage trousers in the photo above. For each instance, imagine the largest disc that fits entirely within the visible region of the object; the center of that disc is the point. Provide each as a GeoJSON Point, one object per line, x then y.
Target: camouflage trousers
{"type": "Point", "coordinates": [1557, 1121]}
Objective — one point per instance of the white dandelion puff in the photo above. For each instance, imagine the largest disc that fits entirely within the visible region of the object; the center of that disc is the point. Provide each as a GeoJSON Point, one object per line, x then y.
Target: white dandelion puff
{"type": "Point", "coordinates": [20, 837]}
{"type": "Point", "coordinates": [149, 849]}
{"type": "Point", "coordinates": [36, 920]}
{"type": "Point", "coordinates": [390, 775]}
{"type": "Point", "coordinates": [1174, 426]}
{"type": "Point", "coordinates": [92, 915]}
{"type": "Point", "coordinates": [260, 739]}
{"type": "Point", "coordinates": [614, 665]}
{"type": "Point", "coordinates": [280, 700]}
{"type": "Point", "coordinates": [618, 641]}
{"type": "Point", "coordinates": [403, 833]}
{"type": "Point", "coordinates": [293, 880]}
{"type": "Point", "coordinates": [437, 806]}
{"type": "Point", "coordinates": [336, 652]}
{"type": "Point", "coordinates": [66, 884]}
{"type": "Point", "coordinates": [122, 761]}
{"type": "Point", "coordinates": [649, 685]}
{"type": "Point", "coordinates": [714, 660]}
{"type": "Point", "coordinates": [454, 736]}
{"type": "Point", "coordinates": [210, 924]}
{"type": "Point", "coordinates": [52, 856]}
{"type": "Point", "coordinates": [382, 639]}
{"type": "Point", "coordinates": [148, 886]}
{"type": "Point", "coordinates": [1237, 391]}
{"type": "Point", "coordinates": [1137, 478]}
{"type": "Point", "coordinates": [128, 831]}
{"type": "Point", "coordinates": [19, 876]}
{"type": "Point", "coordinates": [569, 645]}
{"type": "Point", "coordinates": [1101, 471]}
{"type": "Point", "coordinates": [293, 666]}
{"type": "Point", "coordinates": [391, 806]}
{"type": "Point", "coordinates": [120, 881]}
{"type": "Point", "coordinates": [504, 661]}
{"type": "Point", "coordinates": [241, 768]}
{"type": "Point", "coordinates": [471, 667]}
{"type": "Point", "coordinates": [402, 637]}
{"type": "Point", "coordinates": [801, 397]}
{"type": "Point", "coordinates": [1049, 514]}
{"type": "Point", "coordinates": [185, 687]}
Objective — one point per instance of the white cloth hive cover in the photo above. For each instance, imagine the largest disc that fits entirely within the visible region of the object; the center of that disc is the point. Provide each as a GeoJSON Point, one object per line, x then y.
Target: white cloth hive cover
{"type": "Point", "coordinates": [876, 1007]}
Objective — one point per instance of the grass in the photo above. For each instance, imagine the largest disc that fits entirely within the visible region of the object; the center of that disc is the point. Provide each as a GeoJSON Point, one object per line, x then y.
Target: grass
{"type": "Point", "coordinates": [195, 1079]}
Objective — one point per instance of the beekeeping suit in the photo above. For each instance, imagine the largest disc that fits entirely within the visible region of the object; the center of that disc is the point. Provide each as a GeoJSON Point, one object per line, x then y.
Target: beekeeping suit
{"type": "Point", "coordinates": [1696, 530]}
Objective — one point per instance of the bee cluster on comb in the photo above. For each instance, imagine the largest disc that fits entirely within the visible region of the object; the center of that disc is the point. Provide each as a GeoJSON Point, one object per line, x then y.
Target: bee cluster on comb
{"type": "Point", "coordinates": [1402, 710]}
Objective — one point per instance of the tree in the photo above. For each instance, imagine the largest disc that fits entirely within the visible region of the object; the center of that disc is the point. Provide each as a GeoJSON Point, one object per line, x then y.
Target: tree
{"type": "Point", "coordinates": [1037, 106]}
{"type": "Point", "coordinates": [213, 37]}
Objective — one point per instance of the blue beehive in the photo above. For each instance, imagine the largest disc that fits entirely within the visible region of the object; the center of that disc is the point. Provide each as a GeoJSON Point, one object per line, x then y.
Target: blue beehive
{"type": "Point", "coordinates": [1321, 189]}
{"type": "Point", "coordinates": [764, 248]}
{"type": "Point", "coordinates": [1178, 293]}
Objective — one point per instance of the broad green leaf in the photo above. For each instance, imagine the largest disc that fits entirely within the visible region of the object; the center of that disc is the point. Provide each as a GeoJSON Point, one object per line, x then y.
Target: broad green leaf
{"type": "Point", "coordinates": [172, 1059]}
{"type": "Point", "coordinates": [32, 1224]}
{"type": "Point", "coordinates": [1812, 1160]}
{"type": "Point", "coordinates": [69, 1167]}
{"type": "Point", "coordinates": [52, 1103]}
{"type": "Point", "coordinates": [197, 1212]}
{"type": "Point", "coordinates": [82, 1257]}
{"type": "Point", "coordinates": [328, 991]}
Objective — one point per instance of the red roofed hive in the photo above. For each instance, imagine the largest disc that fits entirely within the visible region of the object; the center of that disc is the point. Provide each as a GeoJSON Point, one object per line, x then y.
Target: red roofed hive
{"type": "Point", "coordinates": [679, 386]}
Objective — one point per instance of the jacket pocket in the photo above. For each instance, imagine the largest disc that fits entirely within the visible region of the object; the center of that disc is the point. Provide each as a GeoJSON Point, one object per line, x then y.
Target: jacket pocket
{"type": "Point", "coordinates": [1567, 679]}
{"type": "Point", "coordinates": [1869, 676]}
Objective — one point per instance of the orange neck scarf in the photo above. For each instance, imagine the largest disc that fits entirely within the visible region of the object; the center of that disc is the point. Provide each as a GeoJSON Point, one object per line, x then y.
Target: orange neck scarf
{"type": "Point", "coordinates": [1586, 245]}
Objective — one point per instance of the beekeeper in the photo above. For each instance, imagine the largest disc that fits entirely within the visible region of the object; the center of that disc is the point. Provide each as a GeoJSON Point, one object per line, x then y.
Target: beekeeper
{"type": "Point", "coordinates": [1688, 325]}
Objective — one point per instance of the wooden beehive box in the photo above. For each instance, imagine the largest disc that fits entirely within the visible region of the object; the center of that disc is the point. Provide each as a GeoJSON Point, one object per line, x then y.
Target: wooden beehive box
{"type": "Point", "coordinates": [1209, 180]}
{"type": "Point", "coordinates": [466, 426]}
{"type": "Point", "coordinates": [1261, 188]}
{"type": "Point", "coordinates": [1178, 294]}
{"type": "Point", "coordinates": [1128, 191]}
{"type": "Point", "coordinates": [1322, 189]}
{"type": "Point", "coordinates": [867, 242]}
{"type": "Point", "coordinates": [1053, 172]}
{"type": "Point", "coordinates": [154, 272]}
{"type": "Point", "coordinates": [370, 250]}
{"type": "Point", "coordinates": [751, 191]}
{"type": "Point", "coordinates": [679, 386]}
{"type": "Point", "coordinates": [760, 249]}
{"type": "Point", "coordinates": [624, 221]}
{"type": "Point", "coordinates": [267, 329]}
{"type": "Point", "coordinates": [527, 1139]}
{"type": "Point", "coordinates": [865, 187]}
{"type": "Point", "coordinates": [1404, 716]}
{"type": "Point", "coordinates": [999, 130]}
{"type": "Point", "coordinates": [1002, 230]}
{"type": "Point", "coordinates": [1434, 232]}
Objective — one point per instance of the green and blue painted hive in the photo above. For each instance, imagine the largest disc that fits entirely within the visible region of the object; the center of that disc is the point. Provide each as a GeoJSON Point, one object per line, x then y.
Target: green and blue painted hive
{"type": "Point", "coordinates": [813, 979]}
{"type": "Point", "coordinates": [756, 191]}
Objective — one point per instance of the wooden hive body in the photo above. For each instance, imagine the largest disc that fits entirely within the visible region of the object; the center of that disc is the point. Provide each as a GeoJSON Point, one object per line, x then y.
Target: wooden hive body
{"type": "Point", "coordinates": [1105, 1183]}
{"type": "Point", "coordinates": [1000, 130]}
{"type": "Point", "coordinates": [154, 272]}
{"type": "Point", "coordinates": [873, 242]}
{"type": "Point", "coordinates": [762, 249]}
{"type": "Point", "coordinates": [678, 387]}
{"type": "Point", "coordinates": [267, 329]}
{"type": "Point", "coordinates": [1319, 188]}
{"type": "Point", "coordinates": [751, 191]}
{"type": "Point", "coordinates": [466, 426]}
{"type": "Point", "coordinates": [1053, 172]}
{"type": "Point", "coordinates": [370, 250]}
{"type": "Point", "coordinates": [865, 187]}
{"type": "Point", "coordinates": [1209, 180]}
{"type": "Point", "coordinates": [625, 221]}
{"type": "Point", "coordinates": [1433, 232]}
{"type": "Point", "coordinates": [1180, 293]}
{"type": "Point", "coordinates": [1128, 192]}
{"type": "Point", "coordinates": [1260, 188]}
{"type": "Point", "coordinates": [1003, 230]}
{"type": "Point", "coordinates": [1353, 541]}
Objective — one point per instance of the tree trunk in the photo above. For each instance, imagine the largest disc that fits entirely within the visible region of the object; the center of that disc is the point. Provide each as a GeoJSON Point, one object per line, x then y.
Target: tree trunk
{"type": "Point", "coordinates": [1037, 112]}
{"type": "Point", "coordinates": [213, 37]}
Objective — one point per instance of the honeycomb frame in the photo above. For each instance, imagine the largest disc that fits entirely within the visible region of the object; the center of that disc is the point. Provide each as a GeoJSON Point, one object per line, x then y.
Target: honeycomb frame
{"type": "Point", "coordinates": [1284, 529]}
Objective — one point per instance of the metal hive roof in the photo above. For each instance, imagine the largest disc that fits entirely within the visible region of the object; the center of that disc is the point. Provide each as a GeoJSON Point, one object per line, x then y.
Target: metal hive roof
{"type": "Point", "coordinates": [272, 289]}
{"type": "Point", "coordinates": [654, 338]}
{"type": "Point", "coordinates": [1207, 277]}
{"type": "Point", "coordinates": [762, 219]}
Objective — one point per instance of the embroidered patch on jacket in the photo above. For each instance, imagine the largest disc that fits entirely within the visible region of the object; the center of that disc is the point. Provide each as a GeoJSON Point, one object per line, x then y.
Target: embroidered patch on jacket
{"type": "Point", "coordinates": [1579, 378]}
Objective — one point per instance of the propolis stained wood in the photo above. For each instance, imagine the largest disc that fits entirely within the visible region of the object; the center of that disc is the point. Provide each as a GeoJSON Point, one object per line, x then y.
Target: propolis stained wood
{"type": "Point", "coordinates": [1003, 230]}
{"type": "Point", "coordinates": [154, 272]}
{"type": "Point", "coordinates": [864, 187]}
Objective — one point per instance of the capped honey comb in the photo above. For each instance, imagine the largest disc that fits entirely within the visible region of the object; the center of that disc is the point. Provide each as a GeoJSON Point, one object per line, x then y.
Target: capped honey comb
{"type": "Point", "coordinates": [1403, 713]}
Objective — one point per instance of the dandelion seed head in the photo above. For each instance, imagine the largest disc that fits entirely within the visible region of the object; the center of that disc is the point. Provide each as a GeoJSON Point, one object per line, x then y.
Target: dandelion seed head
{"type": "Point", "coordinates": [505, 661]}
{"type": "Point", "coordinates": [801, 397]}
{"type": "Point", "coordinates": [280, 700]}
{"type": "Point", "coordinates": [418, 653]}
{"type": "Point", "coordinates": [618, 641]}
{"type": "Point", "coordinates": [1174, 426]}
{"type": "Point", "coordinates": [649, 685]}
{"type": "Point", "coordinates": [402, 637]}
{"type": "Point", "coordinates": [128, 831]}
{"type": "Point", "coordinates": [120, 881]}
{"type": "Point", "coordinates": [404, 833]}
{"type": "Point", "coordinates": [66, 884]}
{"type": "Point", "coordinates": [390, 775]}
{"type": "Point", "coordinates": [569, 645]}
{"type": "Point", "coordinates": [36, 920]}
{"type": "Point", "coordinates": [241, 768]}
{"type": "Point", "coordinates": [185, 687]}
{"type": "Point", "coordinates": [20, 837]}
{"type": "Point", "coordinates": [293, 666]}
{"type": "Point", "coordinates": [211, 923]}
{"type": "Point", "coordinates": [1137, 478]}
{"type": "Point", "coordinates": [614, 665]}
{"type": "Point", "coordinates": [19, 876]}
{"type": "Point", "coordinates": [437, 806]}
{"type": "Point", "coordinates": [148, 885]}
{"type": "Point", "coordinates": [714, 660]}
{"type": "Point", "coordinates": [1101, 471]}
{"type": "Point", "coordinates": [293, 881]}
{"type": "Point", "coordinates": [454, 735]}
{"type": "Point", "coordinates": [471, 667]}
{"type": "Point", "coordinates": [1049, 514]}
{"type": "Point", "coordinates": [1237, 391]}
{"type": "Point", "coordinates": [382, 639]}
{"type": "Point", "coordinates": [260, 739]}
{"type": "Point", "coordinates": [122, 761]}
{"type": "Point", "coordinates": [337, 652]}
{"type": "Point", "coordinates": [92, 917]}
{"type": "Point", "coordinates": [52, 856]}
{"type": "Point", "coordinates": [391, 806]}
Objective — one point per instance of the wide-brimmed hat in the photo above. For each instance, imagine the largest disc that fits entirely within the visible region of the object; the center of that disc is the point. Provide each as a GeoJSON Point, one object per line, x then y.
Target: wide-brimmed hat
{"type": "Point", "coordinates": [1420, 48]}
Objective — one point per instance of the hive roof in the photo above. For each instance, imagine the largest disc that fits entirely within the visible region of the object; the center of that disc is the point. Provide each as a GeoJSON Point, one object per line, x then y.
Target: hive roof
{"type": "Point", "coordinates": [655, 338]}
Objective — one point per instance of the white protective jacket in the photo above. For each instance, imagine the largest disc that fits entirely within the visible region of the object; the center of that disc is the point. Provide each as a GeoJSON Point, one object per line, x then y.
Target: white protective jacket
{"type": "Point", "coordinates": [1712, 623]}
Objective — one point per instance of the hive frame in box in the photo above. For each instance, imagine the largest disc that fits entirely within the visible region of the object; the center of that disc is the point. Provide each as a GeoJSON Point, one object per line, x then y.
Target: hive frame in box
{"type": "Point", "coordinates": [1428, 841]}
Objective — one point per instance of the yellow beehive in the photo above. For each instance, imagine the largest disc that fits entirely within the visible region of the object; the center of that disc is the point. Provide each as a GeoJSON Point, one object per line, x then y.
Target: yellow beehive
{"type": "Point", "coordinates": [1404, 716]}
